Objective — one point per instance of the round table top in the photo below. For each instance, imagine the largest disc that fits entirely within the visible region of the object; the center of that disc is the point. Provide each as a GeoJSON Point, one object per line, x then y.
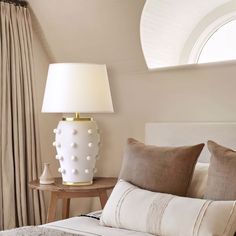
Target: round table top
{"type": "Point", "coordinates": [98, 183]}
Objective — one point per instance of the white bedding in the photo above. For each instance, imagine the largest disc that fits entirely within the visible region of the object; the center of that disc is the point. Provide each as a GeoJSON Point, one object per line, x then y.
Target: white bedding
{"type": "Point", "coordinates": [90, 227]}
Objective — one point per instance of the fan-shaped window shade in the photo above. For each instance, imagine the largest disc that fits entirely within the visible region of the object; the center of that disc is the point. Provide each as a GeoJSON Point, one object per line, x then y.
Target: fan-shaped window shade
{"type": "Point", "coordinates": [167, 26]}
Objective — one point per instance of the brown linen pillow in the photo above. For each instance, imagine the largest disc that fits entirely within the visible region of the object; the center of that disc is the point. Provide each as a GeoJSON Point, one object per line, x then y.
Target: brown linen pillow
{"type": "Point", "coordinates": [221, 182]}
{"type": "Point", "coordinates": [159, 169]}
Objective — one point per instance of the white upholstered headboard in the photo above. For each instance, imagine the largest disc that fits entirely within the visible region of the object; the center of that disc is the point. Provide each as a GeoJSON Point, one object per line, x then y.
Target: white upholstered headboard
{"type": "Point", "coordinates": [179, 134]}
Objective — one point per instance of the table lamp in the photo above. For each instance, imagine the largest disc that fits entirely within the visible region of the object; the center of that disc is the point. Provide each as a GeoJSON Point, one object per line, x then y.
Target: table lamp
{"type": "Point", "coordinates": [77, 88]}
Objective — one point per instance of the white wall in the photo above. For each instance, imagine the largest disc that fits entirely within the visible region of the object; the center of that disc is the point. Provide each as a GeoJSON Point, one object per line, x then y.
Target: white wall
{"type": "Point", "coordinates": [47, 122]}
{"type": "Point", "coordinates": [204, 93]}
{"type": "Point", "coordinates": [201, 93]}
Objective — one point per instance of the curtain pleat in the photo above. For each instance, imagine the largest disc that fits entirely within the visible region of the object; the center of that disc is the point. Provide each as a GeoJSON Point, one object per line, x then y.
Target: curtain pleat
{"type": "Point", "coordinates": [20, 159]}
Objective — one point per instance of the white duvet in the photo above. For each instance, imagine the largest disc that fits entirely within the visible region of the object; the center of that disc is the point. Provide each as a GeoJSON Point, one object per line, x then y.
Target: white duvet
{"type": "Point", "coordinates": [90, 227]}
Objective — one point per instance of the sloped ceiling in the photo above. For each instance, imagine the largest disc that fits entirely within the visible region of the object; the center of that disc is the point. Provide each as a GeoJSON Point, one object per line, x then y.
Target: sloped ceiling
{"type": "Point", "coordinates": [101, 31]}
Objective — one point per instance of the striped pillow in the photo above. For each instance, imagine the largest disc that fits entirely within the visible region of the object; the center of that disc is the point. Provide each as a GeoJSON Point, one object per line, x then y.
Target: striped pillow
{"type": "Point", "coordinates": [130, 207]}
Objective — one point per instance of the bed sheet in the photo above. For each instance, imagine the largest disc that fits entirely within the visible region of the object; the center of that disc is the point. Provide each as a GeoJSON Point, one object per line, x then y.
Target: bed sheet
{"type": "Point", "coordinates": [88, 226]}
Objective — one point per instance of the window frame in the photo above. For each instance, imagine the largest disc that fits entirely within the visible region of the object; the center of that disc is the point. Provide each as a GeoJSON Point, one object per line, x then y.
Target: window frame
{"type": "Point", "coordinates": [205, 36]}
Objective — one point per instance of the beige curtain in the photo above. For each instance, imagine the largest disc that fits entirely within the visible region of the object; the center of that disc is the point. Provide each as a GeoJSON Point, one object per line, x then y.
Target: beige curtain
{"type": "Point", "coordinates": [19, 148]}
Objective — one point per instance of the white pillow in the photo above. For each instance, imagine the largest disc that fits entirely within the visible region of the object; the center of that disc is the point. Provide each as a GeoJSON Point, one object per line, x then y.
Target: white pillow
{"type": "Point", "coordinates": [132, 208]}
{"type": "Point", "coordinates": [199, 181]}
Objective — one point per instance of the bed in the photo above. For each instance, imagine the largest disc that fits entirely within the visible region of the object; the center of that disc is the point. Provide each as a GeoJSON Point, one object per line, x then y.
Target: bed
{"type": "Point", "coordinates": [89, 226]}
{"type": "Point", "coordinates": [162, 134]}
{"type": "Point", "coordinates": [83, 226]}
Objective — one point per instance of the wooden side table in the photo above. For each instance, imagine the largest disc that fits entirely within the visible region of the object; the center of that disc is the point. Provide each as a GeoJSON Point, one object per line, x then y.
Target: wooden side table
{"type": "Point", "coordinates": [65, 192]}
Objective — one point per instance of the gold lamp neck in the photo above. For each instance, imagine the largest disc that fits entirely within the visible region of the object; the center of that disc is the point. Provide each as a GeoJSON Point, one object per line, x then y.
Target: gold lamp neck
{"type": "Point", "coordinates": [77, 118]}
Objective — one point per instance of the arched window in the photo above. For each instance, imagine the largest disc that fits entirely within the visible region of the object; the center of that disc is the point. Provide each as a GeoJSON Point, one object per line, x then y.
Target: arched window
{"type": "Point", "coordinates": [184, 32]}
{"type": "Point", "coordinates": [221, 45]}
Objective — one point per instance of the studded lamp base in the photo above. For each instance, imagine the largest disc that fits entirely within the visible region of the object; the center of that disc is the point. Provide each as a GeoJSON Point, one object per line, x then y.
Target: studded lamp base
{"type": "Point", "coordinates": [77, 144]}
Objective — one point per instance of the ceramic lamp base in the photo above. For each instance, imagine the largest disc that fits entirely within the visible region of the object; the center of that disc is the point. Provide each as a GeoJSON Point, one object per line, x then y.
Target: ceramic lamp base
{"type": "Point", "coordinates": [77, 144]}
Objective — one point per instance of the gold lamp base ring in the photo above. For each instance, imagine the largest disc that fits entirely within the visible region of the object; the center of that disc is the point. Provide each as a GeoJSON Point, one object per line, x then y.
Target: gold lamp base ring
{"type": "Point", "coordinates": [77, 183]}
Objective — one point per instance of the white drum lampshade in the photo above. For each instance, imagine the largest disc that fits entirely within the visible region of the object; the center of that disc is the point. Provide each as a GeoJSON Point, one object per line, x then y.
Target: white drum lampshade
{"type": "Point", "coordinates": [77, 88]}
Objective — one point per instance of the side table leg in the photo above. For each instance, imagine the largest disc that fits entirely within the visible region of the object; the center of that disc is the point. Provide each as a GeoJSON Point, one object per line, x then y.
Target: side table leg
{"type": "Point", "coordinates": [52, 207]}
{"type": "Point", "coordinates": [103, 197]}
{"type": "Point", "coordinates": [65, 208]}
